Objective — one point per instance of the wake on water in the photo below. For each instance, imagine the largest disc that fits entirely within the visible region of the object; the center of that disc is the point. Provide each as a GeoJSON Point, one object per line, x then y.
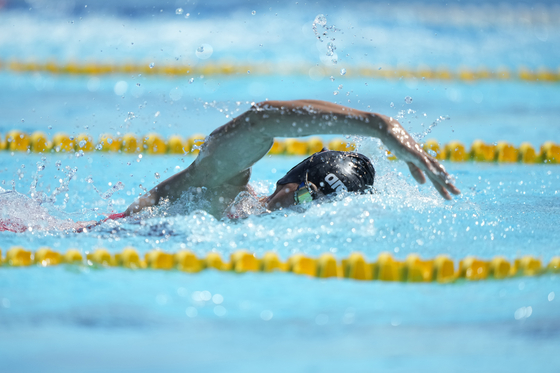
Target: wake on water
{"type": "Point", "coordinates": [39, 212]}
{"type": "Point", "coordinates": [393, 191]}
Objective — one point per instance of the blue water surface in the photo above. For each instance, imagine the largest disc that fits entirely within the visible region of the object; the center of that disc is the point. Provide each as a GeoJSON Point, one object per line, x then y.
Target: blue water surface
{"type": "Point", "coordinates": [82, 318]}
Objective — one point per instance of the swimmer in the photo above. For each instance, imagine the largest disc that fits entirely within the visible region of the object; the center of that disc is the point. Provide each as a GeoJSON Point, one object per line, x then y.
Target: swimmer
{"type": "Point", "coordinates": [223, 165]}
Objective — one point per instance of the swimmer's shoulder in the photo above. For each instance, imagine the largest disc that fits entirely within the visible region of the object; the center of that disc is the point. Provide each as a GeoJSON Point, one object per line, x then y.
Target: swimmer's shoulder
{"type": "Point", "coordinates": [241, 179]}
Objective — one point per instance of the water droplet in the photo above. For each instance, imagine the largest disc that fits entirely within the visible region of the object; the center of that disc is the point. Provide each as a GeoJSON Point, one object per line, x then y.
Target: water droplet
{"type": "Point", "coordinates": [320, 20]}
{"type": "Point", "coordinates": [152, 65]}
{"type": "Point", "coordinates": [179, 11]}
{"type": "Point", "coordinates": [408, 100]}
{"type": "Point", "coordinates": [82, 143]}
{"type": "Point", "coordinates": [49, 127]}
{"type": "Point", "coordinates": [340, 87]}
{"type": "Point", "coordinates": [343, 71]}
{"type": "Point", "coordinates": [266, 315]}
{"type": "Point", "coordinates": [254, 12]}
{"type": "Point", "coordinates": [330, 48]}
{"type": "Point", "coordinates": [156, 175]}
{"type": "Point", "coordinates": [335, 93]}
{"type": "Point", "coordinates": [204, 51]}
{"type": "Point", "coordinates": [332, 78]}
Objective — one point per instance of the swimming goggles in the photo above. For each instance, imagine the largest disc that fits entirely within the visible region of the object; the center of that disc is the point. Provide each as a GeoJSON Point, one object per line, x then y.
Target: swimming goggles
{"type": "Point", "coordinates": [303, 194]}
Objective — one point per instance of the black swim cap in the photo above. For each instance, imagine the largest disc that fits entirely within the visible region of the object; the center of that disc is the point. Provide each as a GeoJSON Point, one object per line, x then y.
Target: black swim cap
{"type": "Point", "coordinates": [333, 171]}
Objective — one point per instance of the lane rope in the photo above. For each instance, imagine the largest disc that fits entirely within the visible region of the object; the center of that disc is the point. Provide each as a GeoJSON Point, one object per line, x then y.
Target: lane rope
{"type": "Point", "coordinates": [441, 269]}
{"type": "Point", "coordinates": [153, 144]}
{"type": "Point", "coordinates": [466, 74]}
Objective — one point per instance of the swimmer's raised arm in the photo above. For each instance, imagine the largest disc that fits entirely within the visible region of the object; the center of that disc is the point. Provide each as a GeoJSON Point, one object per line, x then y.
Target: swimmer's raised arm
{"type": "Point", "coordinates": [243, 141]}
{"type": "Point", "coordinates": [230, 151]}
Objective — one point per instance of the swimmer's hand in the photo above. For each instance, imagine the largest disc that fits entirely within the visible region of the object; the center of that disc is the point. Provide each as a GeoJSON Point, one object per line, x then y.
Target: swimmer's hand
{"type": "Point", "coordinates": [418, 161]}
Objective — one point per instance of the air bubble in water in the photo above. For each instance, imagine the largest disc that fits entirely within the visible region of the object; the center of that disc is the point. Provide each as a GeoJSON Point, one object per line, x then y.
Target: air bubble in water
{"type": "Point", "coordinates": [152, 65]}
{"type": "Point", "coordinates": [89, 180]}
{"type": "Point", "coordinates": [335, 93]}
{"type": "Point", "coordinates": [200, 49]}
{"type": "Point", "coordinates": [343, 71]}
{"type": "Point", "coordinates": [340, 86]}
{"type": "Point", "coordinates": [392, 105]}
{"type": "Point", "coordinates": [248, 71]}
{"type": "Point", "coordinates": [191, 80]}
{"type": "Point", "coordinates": [82, 143]}
{"type": "Point", "coordinates": [254, 12]}
{"type": "Point", "coordinates": [408, 100]}
{"type": "Point", "coordinates": [156, 175]}
{"type": "Point", "coordinates": [332, 78]}
{"type": "Point", "coordinates": [179, 11]}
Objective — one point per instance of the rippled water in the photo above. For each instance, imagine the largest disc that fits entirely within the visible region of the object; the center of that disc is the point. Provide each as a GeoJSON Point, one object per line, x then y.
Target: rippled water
{"type": "Point", "coordinates": [509, 210]}
{"type": "Point", "coordinates": [504, 209]}
{"type": "Point", "coordinates": [86, 319]}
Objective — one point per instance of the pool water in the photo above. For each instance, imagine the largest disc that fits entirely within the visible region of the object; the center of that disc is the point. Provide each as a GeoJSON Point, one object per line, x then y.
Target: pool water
{"type": "Point", "coordinates": [171, 320]}
{"type": "Point", "coordinates": [70, 318]}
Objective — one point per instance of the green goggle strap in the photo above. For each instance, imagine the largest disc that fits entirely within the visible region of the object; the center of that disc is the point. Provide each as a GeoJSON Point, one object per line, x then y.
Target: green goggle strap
{"type": "Point", "coordinates": [302, 194]}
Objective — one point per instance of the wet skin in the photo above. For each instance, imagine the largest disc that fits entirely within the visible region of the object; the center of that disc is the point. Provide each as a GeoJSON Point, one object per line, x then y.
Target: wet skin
{"type": "Point", "coordinates": [224, 163]}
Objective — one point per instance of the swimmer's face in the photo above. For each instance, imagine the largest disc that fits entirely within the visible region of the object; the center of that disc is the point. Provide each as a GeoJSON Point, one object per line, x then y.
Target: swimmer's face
{"type": "Point", "coordinates": [283, 196]}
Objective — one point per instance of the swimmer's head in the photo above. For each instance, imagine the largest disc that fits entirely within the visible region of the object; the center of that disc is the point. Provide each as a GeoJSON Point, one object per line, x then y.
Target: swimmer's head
{"type": "Point", "coordinates": [332, 172]}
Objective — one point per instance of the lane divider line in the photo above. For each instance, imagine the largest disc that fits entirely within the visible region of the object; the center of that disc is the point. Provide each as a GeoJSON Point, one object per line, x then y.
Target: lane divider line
{"type": "Point", "coordinates": [441, 269]}
{"type": "Point", "coordinates": [466, 74]}
{"type": "Point", "coordinates": [153, 144]}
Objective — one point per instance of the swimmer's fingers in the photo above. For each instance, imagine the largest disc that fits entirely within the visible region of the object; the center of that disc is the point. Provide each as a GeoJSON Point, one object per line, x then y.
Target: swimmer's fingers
{"type": "Point", "coordinates": [440, 178]}
{"type": "Point", "coordinates": [416, 173]}
{"type": "Point", "coordinates": [440, 188]}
